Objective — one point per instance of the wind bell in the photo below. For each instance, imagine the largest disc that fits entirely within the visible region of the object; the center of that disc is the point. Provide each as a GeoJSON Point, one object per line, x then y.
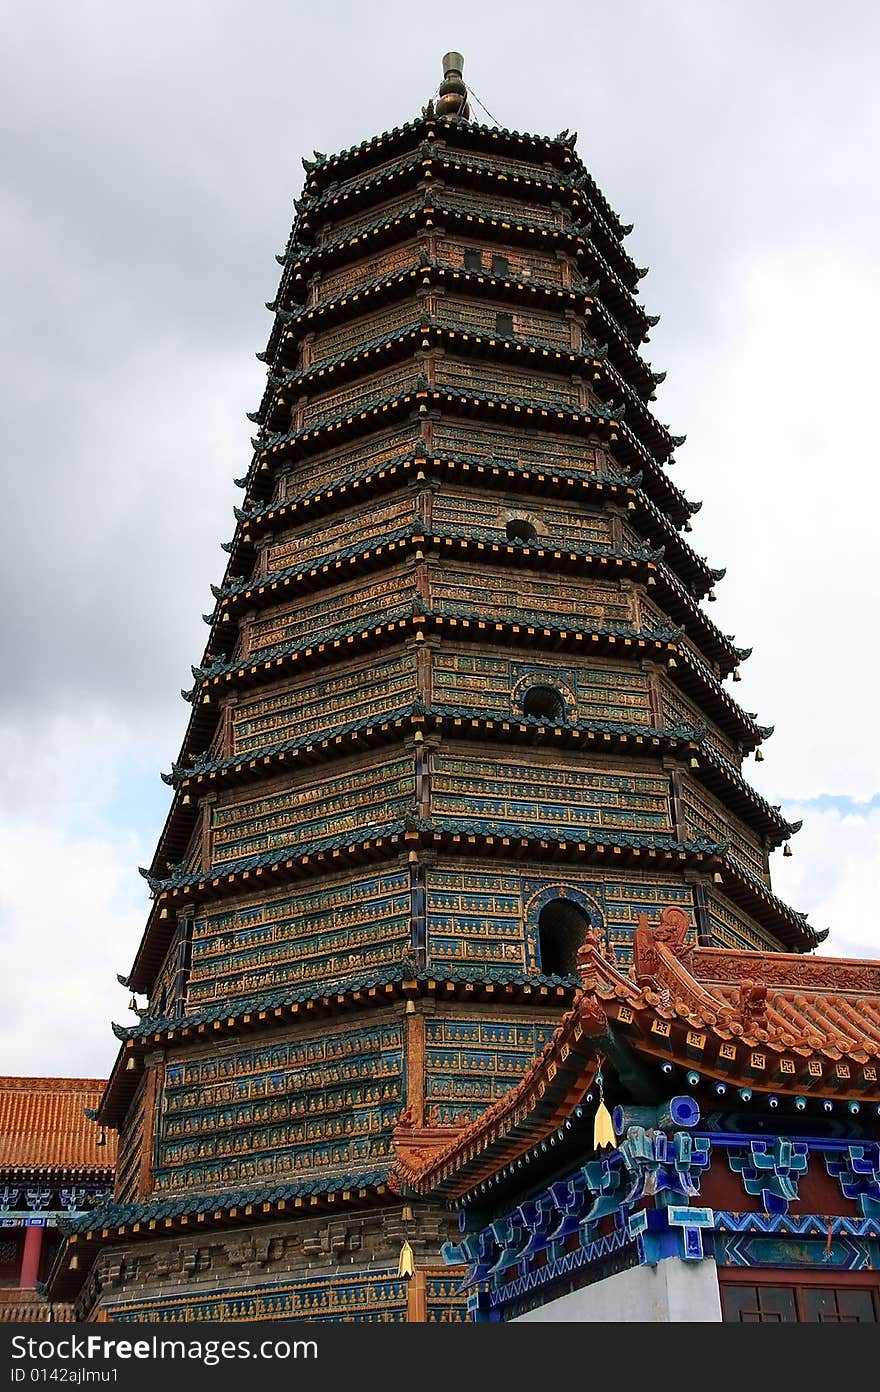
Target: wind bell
{"type": "Point", "coordinates": [603, 1128]}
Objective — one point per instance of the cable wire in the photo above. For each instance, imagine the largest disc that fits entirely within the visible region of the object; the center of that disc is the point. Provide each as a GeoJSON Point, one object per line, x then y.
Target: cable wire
{"type": "Point", "coordinates": [493, 119]}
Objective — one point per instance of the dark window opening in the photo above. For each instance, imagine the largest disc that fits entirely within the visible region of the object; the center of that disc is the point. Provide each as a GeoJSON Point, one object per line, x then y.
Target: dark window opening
{"type": "Point", "coordinates": [184, 964]}
{"type": "Point", "coordinates": [544, 703]}
{"type": "Point", "coordinates": [504, 325]}
{"type": "Point", "coordinates": [500, 266]}
{"type": "Point", "coordinates": [520, 529]}
{"type": "Point", "coordinates": [821, 1305]}
{"type": "Point", "coordinates": [562, 927]}
{"type": "Point", "coordinates": [759, 1305]}
{"type": "Point", "coordinates": [473, 259]}
{"type": "Point", "coordinates": [798, 1304]}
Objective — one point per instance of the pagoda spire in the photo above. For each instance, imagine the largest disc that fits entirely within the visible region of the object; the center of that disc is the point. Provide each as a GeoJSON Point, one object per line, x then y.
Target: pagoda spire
{"type": "Point", "coordinates": [453, 99]}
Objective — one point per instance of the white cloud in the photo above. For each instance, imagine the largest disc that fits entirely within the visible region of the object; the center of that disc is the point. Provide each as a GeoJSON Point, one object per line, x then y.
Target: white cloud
{"type": "Point", "coordinates": [72, 905]}
{"type": "Point", "coordinates": [781, 448]}
{"type": "Point", "coordinates": [69, 920]}
{"type": "Point", "coordinates": [835, 871]}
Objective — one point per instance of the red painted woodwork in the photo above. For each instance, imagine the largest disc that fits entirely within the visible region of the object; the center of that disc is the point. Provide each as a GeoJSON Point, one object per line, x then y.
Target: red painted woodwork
{"type": "Point", "coordinates": [30, 1258]}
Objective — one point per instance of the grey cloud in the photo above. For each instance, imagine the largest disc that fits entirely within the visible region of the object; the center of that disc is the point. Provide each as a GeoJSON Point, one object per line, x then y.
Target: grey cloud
{"type": "Point", "coordinates": [155, 151]}
{"type": "Point", "coordinates": [151, 154]}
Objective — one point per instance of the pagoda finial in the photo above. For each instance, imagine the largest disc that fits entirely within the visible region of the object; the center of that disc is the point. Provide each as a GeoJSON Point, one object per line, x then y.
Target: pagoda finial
{"type": "Point", "coordinates": [453, 92]}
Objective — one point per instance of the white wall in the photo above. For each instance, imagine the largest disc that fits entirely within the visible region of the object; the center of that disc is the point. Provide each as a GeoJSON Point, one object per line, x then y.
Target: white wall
{"type": "Point", "coordinates": [668, 1293]}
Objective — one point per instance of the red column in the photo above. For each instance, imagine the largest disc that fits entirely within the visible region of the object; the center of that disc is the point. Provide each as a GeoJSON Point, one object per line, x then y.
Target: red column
{"type": "Point", "coordinates": [30, 1258]}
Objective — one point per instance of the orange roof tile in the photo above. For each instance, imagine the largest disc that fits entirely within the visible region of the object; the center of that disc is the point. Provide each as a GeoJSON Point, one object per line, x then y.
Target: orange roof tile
{"type": "Point", "coordinates": [826, 1004]}
{"type": "Point", "coordinates": [43, 1125]}
{"type": "Point", "coordinates": [781, 1021]}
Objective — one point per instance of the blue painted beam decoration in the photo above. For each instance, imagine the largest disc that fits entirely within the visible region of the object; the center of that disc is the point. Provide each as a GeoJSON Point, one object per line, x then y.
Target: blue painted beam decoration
{"type": "Point", "coordinates": [636, 1204]}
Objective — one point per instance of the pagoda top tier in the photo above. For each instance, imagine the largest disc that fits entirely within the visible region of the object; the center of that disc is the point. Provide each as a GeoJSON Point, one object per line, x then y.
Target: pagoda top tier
{"type": "Point", "coordinates": [448, 117]}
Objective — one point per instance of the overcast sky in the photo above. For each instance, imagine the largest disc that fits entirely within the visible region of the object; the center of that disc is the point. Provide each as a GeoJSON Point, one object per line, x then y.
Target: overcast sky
{"type": "Point", "coordinates": [151, 155]}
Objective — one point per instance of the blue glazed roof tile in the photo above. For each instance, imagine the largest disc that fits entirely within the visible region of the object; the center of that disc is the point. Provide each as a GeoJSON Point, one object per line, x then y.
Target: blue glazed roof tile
{"type": "Point", "coordinates": [116, 1215]}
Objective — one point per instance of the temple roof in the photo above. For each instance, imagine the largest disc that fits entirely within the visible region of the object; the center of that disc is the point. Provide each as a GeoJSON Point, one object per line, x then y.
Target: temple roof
{"type": "Point", "coordinates": [162, 1215]}
{"type": "Point", "coordinates": [633, 735]}
{"type": "Point", "coordinates": [415, 612]}
{"type": "Point", "coordinates": [794, 1028]}
{"type": "Point", "coordinates": [267, 1198]}
{"type": "Point", "coordinates": [273, 1008]}
{"type": "Point", "coordinates": [330, 167]}
{"type": "Point", "coordinates": [275, 515]}
{"type": "Point", "coordinates": [518, 834]}
{"type": "Point", "coordinates": [232, 1012]}
{"type": "Point", "coordinates": [43, 1125]}
{"type": "Point", "coordinates": [298, 444]}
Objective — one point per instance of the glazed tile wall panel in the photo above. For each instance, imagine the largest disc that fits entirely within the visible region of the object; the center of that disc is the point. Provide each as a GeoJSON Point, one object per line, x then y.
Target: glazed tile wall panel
{"type": "Point", "coordinates": [503, 164]}
{"type": "Point", "coordinates": [362, 1297]}
{"type": "Point", "coordinates": [532, 597]}
{"type": "Point", "coordinates": [481, 375]}
{"type": "Point", "coordinates": [445, 1305]}
{"type": "Point", "coordinates": [678, 710]}
{"type": "Point", "coordinates": [523, 264]}
{"type": "Point", "coordinates": [481, 316]}
{"type": "Point", "coordinates": [543, 453]}
{"type": "Point", "coordinates": [386, 597]}
{"type": "Point", "coordinates": [249, 1114]}
{"type": "Point", "coordinates": [355, 181]}
{"type": "Point", "coordinates": [554, 799]}
{"type": "Point", "coordinates": [128, 1159]}
{"type": "Point", "coordinates": [706, 817]}
{"type": "Point", "coordinates": [491, 512]}
{"type": "Point", "coordinates": [373, 689]}
{"type": "Point", "coordinates": [337, 930]}
{"type": "Point", "coordinates": [592, 691]}
{"type": "Point", "coordinates": [320, 806]}
{"type": "Point", "coordinates": [340, 340]}
{"type": "Point", "coordinates": [490, 915]}
{"type": "Point", "coordinates": [324, 406]}
{"type": "Point", "coordinates": [162, 994]}
{"type": "Point", "coordinates": [493, 205]}
{"type": "Point", "coordinates": [344, 227]}
{"type": "Point", "coordinates": [475, 918]}
{"type": "Point", "coordinates": [387, 263]}
{"type": "Point", "coordinates": [311, 542]}
{"type": "Point", "coordinates": [471, 1062]}
{"type": "Point", "coordinates": [371, 453]}
{"type": "Point", "coordinates": [730, 927]}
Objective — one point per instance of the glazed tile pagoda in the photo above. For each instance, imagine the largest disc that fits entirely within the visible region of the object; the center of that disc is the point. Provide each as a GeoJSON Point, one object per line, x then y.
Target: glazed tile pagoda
{"type": "Point", "coordinates": [461, 703]}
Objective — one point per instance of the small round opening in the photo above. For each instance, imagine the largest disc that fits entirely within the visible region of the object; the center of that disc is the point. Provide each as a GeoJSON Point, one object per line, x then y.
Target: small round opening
{"type": "Point", "coordinates": [544, 703]}
{"type": "Point", "coordinates": [562, 927]}
{"type": "Point", "coordinates": [520, 529]}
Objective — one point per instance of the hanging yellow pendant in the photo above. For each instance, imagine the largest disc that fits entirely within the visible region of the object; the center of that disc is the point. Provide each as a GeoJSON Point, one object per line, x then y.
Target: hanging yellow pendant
{"type": "Point", "coordinates": [603, 1129]}
{"type": "Point", "coordinates": [406, 1264]}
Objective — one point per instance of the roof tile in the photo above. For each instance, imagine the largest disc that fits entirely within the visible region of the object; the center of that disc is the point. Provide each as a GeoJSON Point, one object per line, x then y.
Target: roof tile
{"type": "Point", "coordinates": [43, 1124]}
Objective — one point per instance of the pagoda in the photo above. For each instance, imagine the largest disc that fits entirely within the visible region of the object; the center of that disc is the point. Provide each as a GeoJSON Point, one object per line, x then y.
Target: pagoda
{"type": "Point", "coordinates": [460, 706]}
